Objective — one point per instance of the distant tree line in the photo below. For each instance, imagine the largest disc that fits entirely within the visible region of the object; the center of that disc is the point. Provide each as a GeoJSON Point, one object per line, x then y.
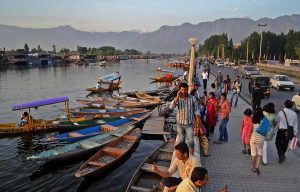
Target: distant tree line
{"type": "Point", "coordinates": [274, 46]}
{"type": "Point", "coordinates": [106, 50]}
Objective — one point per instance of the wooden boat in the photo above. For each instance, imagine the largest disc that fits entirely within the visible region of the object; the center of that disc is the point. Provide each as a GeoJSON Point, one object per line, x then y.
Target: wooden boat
{"type": "Point", "coordinates": [33, 125]}
{"type": "Point", "coordinates": [91, 131]}
{"type": "Point", "coordinates": [110, 154]}
{"type": "Point", "coordinates": [144, 96]}
{"type": "Point", "coordinates": [108, 83]}
{"type": "Point", "coordinates": [164, 75]}
{"type": "Point", "coordinates": [123, 97]}
{"type": "Point", "coordinates": [149, 92]}
{"type": "Point", "coordinates": [97, 102]}
{"type": "Point", "coordinates": [87, 146]}
{"type": "Point", "coordinates": [133, 104]}
{"type": "Point", "coordinates": [144, 179]}
{"type": "Point", "coordinates": [109, 113]}
{"type": "Point", "coordinates": [73, 125]}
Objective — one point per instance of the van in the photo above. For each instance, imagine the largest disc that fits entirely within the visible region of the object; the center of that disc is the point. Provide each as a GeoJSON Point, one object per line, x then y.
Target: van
{"type": "Point", "coordinates": [264, 82]}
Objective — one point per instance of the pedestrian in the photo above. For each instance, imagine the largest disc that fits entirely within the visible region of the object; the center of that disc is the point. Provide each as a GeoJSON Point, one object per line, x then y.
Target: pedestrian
{"type": "Point", "coordinates": [256, 141]}
{"type": "Point", "coordinates": [211, 113]}
{"type": "Point", "coordinates": [187, 112]}
{"type": "Point", "coordinates": [204, 78]}
{"type": "Point", "coordinates": [199, 179]}
{"type": "Point", "coordinates": [236, 89]}
{"type": "Point", "coordinates": [227, 83]}
{"type": "Point", "coordinates": [287, 129]}
{"type": "Point", "coordinates": [216, 91]}
{"type": "Point", "coordinates": [269, 113]}
{"type": "Point", "coordinates": [183, 163]}
{"type": "Point", "coordinates": [256, 96]}
{"type": "Point", "coordinates": [219, 80]}
{"type": "Point", "coordinates": [224, 110]}
{"type": "Point", "coordinates": [245, 131]}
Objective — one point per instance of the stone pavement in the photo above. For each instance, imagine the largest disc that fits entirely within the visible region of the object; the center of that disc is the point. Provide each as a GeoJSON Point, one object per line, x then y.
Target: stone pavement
{"type": "Point", "coordinates": [228, 166]}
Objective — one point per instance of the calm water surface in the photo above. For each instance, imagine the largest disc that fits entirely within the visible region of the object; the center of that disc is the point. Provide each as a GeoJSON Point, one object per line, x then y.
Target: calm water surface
{"type": "Point", "coordinates": [22, 85]}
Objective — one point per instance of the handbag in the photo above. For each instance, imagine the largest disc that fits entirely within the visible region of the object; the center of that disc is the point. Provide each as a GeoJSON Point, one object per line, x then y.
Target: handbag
{"type": "Point", "coordinates": [290, 129]}
{"type": "Point", "coordinates": [293, 143]}
{"type": "Point", "coordinates": [263, 127]}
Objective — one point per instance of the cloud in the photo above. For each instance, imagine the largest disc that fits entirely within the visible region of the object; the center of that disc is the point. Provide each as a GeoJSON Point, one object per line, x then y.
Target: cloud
{"type": "Point", "coordinates": [235, 9]}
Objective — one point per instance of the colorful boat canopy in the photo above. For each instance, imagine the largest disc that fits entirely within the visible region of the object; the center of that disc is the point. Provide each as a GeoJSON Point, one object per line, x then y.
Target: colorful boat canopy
{"type": "Point", "coordinates": [110, 77]}
{"type": "Point", "coordinates": [38, 103]}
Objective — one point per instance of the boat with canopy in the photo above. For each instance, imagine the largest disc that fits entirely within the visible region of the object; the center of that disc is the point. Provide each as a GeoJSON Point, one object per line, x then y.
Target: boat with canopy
{"type": "Point", "coordinates": [34, 125]}
{"type": "Point", "coordinates": [109, 82]}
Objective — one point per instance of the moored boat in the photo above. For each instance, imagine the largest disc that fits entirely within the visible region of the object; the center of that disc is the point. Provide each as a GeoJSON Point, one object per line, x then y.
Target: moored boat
{"type": "Point", "coordinates": [33, 125]}
{"type": "Point", "coordinates": [107, 83]}
{"type": "Point", "coordinates": [91, 131]}
{"type": "Point", "coordinates": [144, 179]}
{"type": "Point", "coordinates": [110, 154]}
{"type": "Point", "coordinates": [109, 113]}
{"type": "Point", "coordinates": [144, 96]}
{"type": "Point", "coordinates": [87, 146]}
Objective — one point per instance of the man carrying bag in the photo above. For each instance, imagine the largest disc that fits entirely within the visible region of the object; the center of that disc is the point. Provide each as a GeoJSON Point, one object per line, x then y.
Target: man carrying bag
{"type": "Point", "coordinates": [287, 129]}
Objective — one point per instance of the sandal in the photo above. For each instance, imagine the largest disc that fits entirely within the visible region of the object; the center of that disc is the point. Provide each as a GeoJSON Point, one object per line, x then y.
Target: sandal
{"type": "Point", "coordinates": [253, 170]}
{"type": "Point", "coordinates": [244, 152]}
{"type": "Point", "coordinates": [257, 171]}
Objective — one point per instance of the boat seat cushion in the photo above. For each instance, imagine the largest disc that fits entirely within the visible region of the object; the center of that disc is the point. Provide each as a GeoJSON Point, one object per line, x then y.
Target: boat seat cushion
{"type": "Point", "coordinates": [75, 134]}
{"type": "Point", "coordinates": [89, 144]}
{"type": "Point", "coordinates": [107, 127]}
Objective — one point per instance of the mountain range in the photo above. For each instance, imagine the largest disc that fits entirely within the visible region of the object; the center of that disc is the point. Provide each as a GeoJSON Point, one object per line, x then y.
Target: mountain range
{"type": "Point", "coordinates": [167, 39]}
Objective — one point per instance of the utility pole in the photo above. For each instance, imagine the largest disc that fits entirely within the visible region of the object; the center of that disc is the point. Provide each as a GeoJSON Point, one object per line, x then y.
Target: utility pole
{"type": "Point", "coordinates": [261, 26]}
{"type": "Point", "coordinates": [223, 52]}
{"type": "Point", "coordinates": [247, 50]}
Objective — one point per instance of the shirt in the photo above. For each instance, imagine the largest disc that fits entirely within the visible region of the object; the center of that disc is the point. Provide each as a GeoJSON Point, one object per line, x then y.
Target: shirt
{"type": "Point", "coordinates": [256, 137]}
{"type": "Point", "coordinates": [187, 186]}
{"type": "Point", "coordinates": [224, 109]}
{"type": "Point", "coordinates": [291, 117]}
{"type": "Point", "coordinates": [184, 169]}
{"type": "Point", "coordinates": [187, 108]}
{"type": "Point", "coordinates": [204, 75]}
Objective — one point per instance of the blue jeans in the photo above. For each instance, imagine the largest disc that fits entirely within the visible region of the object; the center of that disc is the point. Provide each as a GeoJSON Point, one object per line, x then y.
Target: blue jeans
{"type": "Point", "coordinates": [185, 133]}
{"type": "Point", "coordinates": [236, 98]}
{"type": "Point", "coordinates": [223, 130]}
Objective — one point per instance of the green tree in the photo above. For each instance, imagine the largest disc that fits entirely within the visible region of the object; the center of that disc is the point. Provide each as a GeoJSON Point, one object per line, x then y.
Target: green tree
{"type": "Point", "coordinates": [34, 50]}
{"type": "Point", "coordinates": [26, 47]}
{"type": "Point", "coordinates": [39, 49]}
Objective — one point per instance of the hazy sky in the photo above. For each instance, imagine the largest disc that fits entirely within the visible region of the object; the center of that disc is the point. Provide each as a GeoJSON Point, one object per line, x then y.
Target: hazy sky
{"type": "Point", "coordinates": [142, 15]}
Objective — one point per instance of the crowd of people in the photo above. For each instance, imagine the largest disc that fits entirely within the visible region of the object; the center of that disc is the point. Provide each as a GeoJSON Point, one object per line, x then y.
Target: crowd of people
{"type": "Point", "coordinates": [197, 116]}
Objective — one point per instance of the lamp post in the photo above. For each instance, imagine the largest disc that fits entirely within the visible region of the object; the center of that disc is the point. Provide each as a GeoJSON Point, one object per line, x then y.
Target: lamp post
{"type": "Point", "coordinates": [261, 26]}
{"type": "Point", "coordinates": [193, 41]}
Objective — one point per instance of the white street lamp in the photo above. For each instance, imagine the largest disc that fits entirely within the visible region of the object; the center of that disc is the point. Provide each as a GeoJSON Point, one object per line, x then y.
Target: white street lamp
{"type": "Point", "coordinates": [192, 41]}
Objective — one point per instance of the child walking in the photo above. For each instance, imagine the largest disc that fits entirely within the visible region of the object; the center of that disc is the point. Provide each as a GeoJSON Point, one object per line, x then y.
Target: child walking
{"type": "Point", "coordinates": [245, 131]}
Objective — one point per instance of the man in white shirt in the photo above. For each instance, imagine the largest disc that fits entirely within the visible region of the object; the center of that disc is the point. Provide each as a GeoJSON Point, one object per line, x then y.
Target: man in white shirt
{"type": "Point", "coordinates": [284, 118]}
{"type": "Point", "coordinates": [199, 178]}
{"type": "Point", "coordinates": [204, 78]}
{"type": "Point", "coordinates": [183, 163]}
{"type": "Point", "coordinates": [98, 85]}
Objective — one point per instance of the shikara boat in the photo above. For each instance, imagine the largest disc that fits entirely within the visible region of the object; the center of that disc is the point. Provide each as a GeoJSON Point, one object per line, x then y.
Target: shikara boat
{"type": "Point", "coordinates": [33, 125]}
{"type": "Point", "coordinates": [87, 146]}
{"type": "Point", "coordinates": [109, 113]}
{"type": "Point", "coordinates": [108, 83]}
{"type": "Point", "coordinates": [91, 131]}
{"type": "Point", "coordinates": [110, 154]}
{"type": "Point", "coordinates": [144, 96]}
{"type": "Point", "coordinates": [136, 104]}
{"type": "Point", "coordinates": [164, 75]}
{"type": "Point", "coordinates": [144, 179]}
{"type": "Point", "coordinates": [149, 92]}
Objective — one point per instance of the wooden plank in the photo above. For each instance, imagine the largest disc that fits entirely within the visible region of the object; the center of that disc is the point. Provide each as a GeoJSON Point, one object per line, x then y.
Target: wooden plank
{"type": "Point", "coordinates": [153, 132]}
{"type": "Point", "coordinates": [97, 164]}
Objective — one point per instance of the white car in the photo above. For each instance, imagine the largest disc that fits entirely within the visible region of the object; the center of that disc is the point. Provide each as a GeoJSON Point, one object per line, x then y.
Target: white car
{"type": "Point", "coordinates": [220, 64]}
{"type": "Point", "coordinates": [282, 82]}
{"type": "Point", "coordinates": [231, 64]}
{"type": "Point", "coordinates": [296, 101]}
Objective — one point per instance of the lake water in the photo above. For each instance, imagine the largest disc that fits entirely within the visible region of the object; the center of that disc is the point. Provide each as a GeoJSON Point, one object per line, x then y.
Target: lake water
{"type": "Point", "coordinates": [26, 84]}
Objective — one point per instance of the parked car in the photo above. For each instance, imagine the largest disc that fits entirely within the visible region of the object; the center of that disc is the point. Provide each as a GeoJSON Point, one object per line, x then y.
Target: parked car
{"type": "Point", "coordinates": [220, 64]}
{"type": "Point", "coordinates": [282, 82]}
{"type": "Point", "coordinates": [247, 71]}
{"type": "Point", "coordinates": [231, 64]}
{"type": "Point", "coordinates": [296, 101]}
{"type": "Point", "coordinates": [264, 82]}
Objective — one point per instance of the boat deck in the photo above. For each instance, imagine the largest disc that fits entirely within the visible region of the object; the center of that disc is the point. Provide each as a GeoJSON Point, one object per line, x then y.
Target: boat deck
{"type": "Point", "coordinates": [155, 124]}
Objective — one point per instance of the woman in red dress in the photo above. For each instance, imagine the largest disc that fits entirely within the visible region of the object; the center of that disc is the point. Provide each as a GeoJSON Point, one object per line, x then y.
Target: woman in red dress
{"type": "Point", "coordinates": [211, 113]}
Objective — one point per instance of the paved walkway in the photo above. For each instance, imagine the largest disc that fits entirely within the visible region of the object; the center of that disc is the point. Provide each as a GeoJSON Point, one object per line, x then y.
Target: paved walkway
{"type": "Point", "coordinates": [228, 166]}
